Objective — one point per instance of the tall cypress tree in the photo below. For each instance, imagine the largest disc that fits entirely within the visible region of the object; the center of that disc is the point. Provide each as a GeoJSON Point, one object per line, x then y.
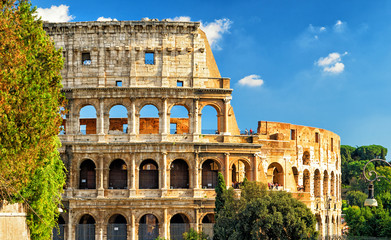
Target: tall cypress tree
{"type": "Point", "coordinates": [220, 188]}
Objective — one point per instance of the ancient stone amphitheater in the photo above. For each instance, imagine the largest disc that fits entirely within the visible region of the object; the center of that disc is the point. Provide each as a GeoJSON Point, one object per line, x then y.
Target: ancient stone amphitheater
{"type": "Point", "coordinates": [140, 163]}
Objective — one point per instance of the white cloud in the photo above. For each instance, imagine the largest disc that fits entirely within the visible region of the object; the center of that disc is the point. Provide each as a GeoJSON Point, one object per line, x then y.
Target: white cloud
{"type": "Point", "coordinates": [332, 63]}
{"type": "Point", "coordinates": [55, 14]}
{"type": "Point", "coordinates": [251, 80]}
{"type": "Point", "coordinates": [339, 26]}
{"type": "Point", "coordinates": [214, 30]}
{"type": "Point", "coordinates": [103, 19]}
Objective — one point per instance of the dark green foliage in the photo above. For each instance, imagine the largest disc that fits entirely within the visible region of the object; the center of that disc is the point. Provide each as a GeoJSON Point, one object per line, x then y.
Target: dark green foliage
{"type": "Point", "coordinates": [30, 99]}
{"type": "Point", "coordinates": [370, 152]}
{"type": "Point", "coordinates": [356, 198]}
{"type": "Point", "coordinates": [220, 188]}
{"type": "Point", "coordinates": [262, 214]}
{"type": "Point", "coordinates": [194, 235]}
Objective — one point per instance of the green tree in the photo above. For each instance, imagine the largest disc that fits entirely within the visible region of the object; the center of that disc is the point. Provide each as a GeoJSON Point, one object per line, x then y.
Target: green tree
{"type": "Point", "coordinates": [262, 214]}
{"type": "Point", "coordinates": [356, 198]}
{"type": "Point", "coordinates": [31, 170]}
{"type": "Point", "coordinates": [220, 188]}
{"type": "Point", "coordinates": [194, 235]}
{"type": "Point", "coordinates": [370, 152]}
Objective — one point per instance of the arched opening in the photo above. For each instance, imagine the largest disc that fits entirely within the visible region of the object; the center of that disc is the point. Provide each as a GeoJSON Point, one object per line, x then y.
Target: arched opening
{"type": "Point", "coordinates": [64, 120]}
{"type": "Point", "coordinates": [306, 180]}
{"type": "Point", "coordinates": [325, 185]}
{"type": "Point", "coordinates": [149, 175]}
{"type": "Point", "coordinates": [296, 176]}
{"type": "Point", "coordinates": [332, 179]}
{"type": "Point", "coordinates": [118, 178]}
{"type": "Point", "coordinates": [210, 171]}
{"type": "Point", "coordinates": [317, 180]}
{"type": "Point", "coordinates": [118, 119]}
{"type": "Point", "coordinates": [275, 175]}
{"type": "Point", "coordinates": [86, 228]}
{"type": "Point", "coordinates": [148, 228]}
{"type": "Point", "coordinates": [179, 174]}
{"type": "Point", "coordinates": [318, 226]}
{"type": "Point", "coordinates": [149, 120]}
{"type": "Point", "coordinates": [116, 229]}
{"type": "Point", "coordinates": [58, 233]}
{"type": "Point", "coordinates": [240, 171]}
{"type": "Point", "coordinates": [179, 224]}
{"type": "Point", "coordinates": [87, 175]}
{"type": "Point", "coordinates": [208, 222]}
{"type": "Point", "coordinates": [306, 158]}
{"type": "Point", "coordinates": [209, 120]}
{"type": "Point", "coordinates": [87, 120]}
{"type": "Point", "coordinates": [179, 120]}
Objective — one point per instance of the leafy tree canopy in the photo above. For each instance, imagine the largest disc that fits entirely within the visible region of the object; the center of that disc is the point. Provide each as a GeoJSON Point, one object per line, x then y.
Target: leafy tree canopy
{"type": "Point", "coordinates": [262, 214]}
{"type": "Point", "coordinates": [31, 170]}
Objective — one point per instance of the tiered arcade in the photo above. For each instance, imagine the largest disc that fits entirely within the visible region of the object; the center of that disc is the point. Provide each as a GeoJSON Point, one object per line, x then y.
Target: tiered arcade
{"type": "Point", "coordinates": [141, 163]}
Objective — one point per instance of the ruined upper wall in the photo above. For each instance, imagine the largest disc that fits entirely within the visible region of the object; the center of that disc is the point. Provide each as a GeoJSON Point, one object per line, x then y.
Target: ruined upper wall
{"type": "Point", "coordinates": [181, 55]}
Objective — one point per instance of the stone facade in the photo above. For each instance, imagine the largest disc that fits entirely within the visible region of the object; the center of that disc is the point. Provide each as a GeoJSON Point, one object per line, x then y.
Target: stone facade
{"type": "Point", "coordinates": [131, 175]}
{"type": "Point", "coordinates": [13, 223]}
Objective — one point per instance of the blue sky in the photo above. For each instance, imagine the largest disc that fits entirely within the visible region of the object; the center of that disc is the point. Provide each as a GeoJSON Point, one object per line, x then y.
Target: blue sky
{"type": "Point", "coordinates": [324, 64]}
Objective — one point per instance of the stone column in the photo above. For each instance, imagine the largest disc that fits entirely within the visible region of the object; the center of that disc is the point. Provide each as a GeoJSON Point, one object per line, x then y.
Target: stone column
{"type": "Point", "coordinates": [101, 128]}
{"type": "Point", "coordinates": [195, 123]}
{"type": "Point", "coordinates": [226, 118]}
{"type": "Point", "coordinates": [133, 222]}
{"type": "Point", "coordinates": [101, 190]}
{"type": "Point", "coordinates": [165, 224]}
{"type": "Point", "coordinates": [70, 227]}
{"type": "Point", "coordinates": [164, 171]}
{"type": "Point", "coordinates": [164, 120]}
{"type": "Point", "coordinates": [226, 175]}
{"type": "Point", "coordinates": [196, 172]}
{"type": "Point", "coordinates": [132, 190]}
{"type": "Point", "coordinates": [133, 119]}
{"type": "Point", "coordinates": [255, 167]}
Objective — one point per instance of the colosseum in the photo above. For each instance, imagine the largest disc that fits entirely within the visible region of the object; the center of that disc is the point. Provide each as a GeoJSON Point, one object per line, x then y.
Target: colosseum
{"type": "Point", "coordinates": [140, 163]}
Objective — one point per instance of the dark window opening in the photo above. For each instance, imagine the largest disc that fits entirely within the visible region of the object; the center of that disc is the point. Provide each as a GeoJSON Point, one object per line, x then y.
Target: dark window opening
{"type": "Point", "coordinates": [118, 83]}
{"type": "Point", "coordinates": [58, 233]}
{"type": "Point", "coordinates": [149, 175]}
{"type": "Point", "coordinates": [210, 171]}
{"type": "Point", "coordinates": [293, 134]}
{"type": "Point", "coordinates": [306, 158]}
{"type": "Point", "coordinates": [179, 83]}
{"type": "Point", "coordinates": [148, 227]}
{"type": "Point", "coordinates": [86, 59]}
{"type": "Point", "coordinates": [149, 58]}
{"type": "Point", "coordinates": [116, 229]}
{"type": "Point", "coordinates": [179, 174]}
{"type": "Point", "coordinates": [87, 175]}
{"type": "Point", "coordinates": [86, 228]}
{"type": "Point", "coordinates": [179, 224]}
{"type": "Point", "coordinates": [317, 137]}
{"type": "Point", "coordinates": [118, 175]}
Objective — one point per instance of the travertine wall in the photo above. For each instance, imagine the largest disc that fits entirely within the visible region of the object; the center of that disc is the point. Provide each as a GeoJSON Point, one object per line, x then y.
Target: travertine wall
{"type": "Point", "coordinates": [13, 222]}
{"type": "Point", "coordinates": [184, 164]}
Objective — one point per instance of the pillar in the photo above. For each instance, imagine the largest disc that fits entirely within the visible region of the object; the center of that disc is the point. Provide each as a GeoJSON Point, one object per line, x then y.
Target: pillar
{"type": "Point", "coordinates": [226, 118]}
{"type": "Point", "coordinates": [196, 172]}
{"type": "Point", "coordinates": [226, 175]}
{"type": "Point", "coordinates": [101, 176]}
{"type": "Point", "coordinates": [196, 116]}
{"type": "Point", "coordinates": [164, 117]}
{"type": "Point", "coordinates": [133, 222]}
{"type": "Point", "coordinates": [165, 224]}
{"type": "Point", "coordinates": [164, 171]}
{"type": "Point", "coordinates": [133, 119]}
{"type": "Point", "coordinates": [255, 167]}
{"type": "Point", "coordinates": [133, 172]}
{"type": "Point", "coordinates": [70, 226]}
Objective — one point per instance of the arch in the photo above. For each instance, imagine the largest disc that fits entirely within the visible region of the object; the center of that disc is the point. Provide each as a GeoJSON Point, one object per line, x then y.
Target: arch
{"type": "Point", "coordinates": [87, 177]}
{"type": "Point", "coordinates": [116, 227]}
{"type": "Point", "coordinates": [317, 179]}
{"type": "Point", "coordinates": [208, 222]}
{"type": "Point", "coordinates": [332, 184]}
{"type": "Point", "coordinates": [179, 120]}
{"type": "Point", "coordinates": [307, 180]}
{"type": "Point", "coordinates": [295, 175]}
{"type": "Point", "coordinates": [210, 169]}
{"type": "Point", "coordinates": [179, 174]}
{"type": "Point", "coordinates": [149, 119]}
{"type": "Point", "coordinates": [306, 158]}
{"type": "Point", "coordinates": [118, 119]}
{"type": "Point", "coordinates": [118, 177]}
{"type": "Point", "coordinates": [148, 227]}
{"type": "Point", "coordinates": [210, 120]}
{"type": "Point", "coordinates": [85, 229]}
{"type": "Point", "coordinates": [179, 224]}
{"type": "Point", "coordinates": [275, 174]}
{"type": "Point", "coordinates": [87, 120]}
{"type": "Point", "coordinates": [325, 184]}
{"type": "Point", "coordinates": [149, 175]}
{"type": "Point", "coordinates": [239, 171]}
{"type": "Point", "coordinates": [58, 232]}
